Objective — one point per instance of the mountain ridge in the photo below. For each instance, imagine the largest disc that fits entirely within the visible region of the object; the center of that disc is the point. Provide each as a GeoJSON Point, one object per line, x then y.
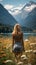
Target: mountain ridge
{"type": "Point", "coordinates": [21, 18]}
{"type": "Point", "coordinates": [6, 17]}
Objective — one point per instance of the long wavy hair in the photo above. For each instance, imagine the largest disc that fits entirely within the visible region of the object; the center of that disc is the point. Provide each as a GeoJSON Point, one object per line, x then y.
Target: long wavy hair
{"type": "Point", "coordinates": [15, 30]}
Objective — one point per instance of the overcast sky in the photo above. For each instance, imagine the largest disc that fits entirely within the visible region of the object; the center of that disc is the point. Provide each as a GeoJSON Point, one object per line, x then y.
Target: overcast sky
{"type": "Point", "coordinates": [14, 2]}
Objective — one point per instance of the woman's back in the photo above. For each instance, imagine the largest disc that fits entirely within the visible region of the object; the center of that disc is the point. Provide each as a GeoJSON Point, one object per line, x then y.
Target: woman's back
{"type": "Point", "coordinates": [17, 37]}
{"type": "Point", "coordinates": [18, 46]}
{"type": "Point", "coordinates": [17, 40]}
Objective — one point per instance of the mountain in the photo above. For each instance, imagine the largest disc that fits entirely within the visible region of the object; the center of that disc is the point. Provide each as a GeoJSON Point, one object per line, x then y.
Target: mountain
{"type": "Point", "coordinates": [27, 17]}
{"type": "Point", "coordinates": [7, 21]}
{"type": "Point", "coordinates": [31, 19]}
{"type": "Point", "coordinates": [5, 17]}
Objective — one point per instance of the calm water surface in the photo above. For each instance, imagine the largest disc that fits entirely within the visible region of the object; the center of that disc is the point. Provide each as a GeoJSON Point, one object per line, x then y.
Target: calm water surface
{"type": "Point", "coordinates": [25, 35]}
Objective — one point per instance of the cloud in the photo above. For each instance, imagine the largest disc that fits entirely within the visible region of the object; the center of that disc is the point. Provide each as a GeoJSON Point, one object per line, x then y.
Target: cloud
{"type": "Point", "coordinates": [19, 7]}
{"type": "Point", "coordinates": [30, 8]}
{"type": "Point", "coordinates": [14, 10]}
{"type": "Point", "coordinates": [1, 0]}
{"type": "Point", "coordinates": [8, 6]}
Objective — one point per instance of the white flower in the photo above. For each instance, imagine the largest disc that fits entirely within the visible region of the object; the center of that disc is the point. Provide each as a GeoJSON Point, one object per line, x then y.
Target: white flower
{"type": "Point", "coordinates": [24, 57]}
{"type": "Point", "coordinates": [34, 51]}
{"type": "Point", "coordinates": [28, 51]}
{"type": "Point", "coordinates": [8, 61]}
{"type": "Point", "coordinates": [26, 40]}
{"type": "Point", "coordinates": [20, 63]}
{"type": "Point", "coordinates": [32, 43]}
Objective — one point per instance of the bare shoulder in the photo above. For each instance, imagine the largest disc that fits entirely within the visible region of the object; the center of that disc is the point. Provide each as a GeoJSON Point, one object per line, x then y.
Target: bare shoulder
{"type": "Point", "coordinates": [21, 33]}
{"type": "Point", "coordinates": [13, 34]}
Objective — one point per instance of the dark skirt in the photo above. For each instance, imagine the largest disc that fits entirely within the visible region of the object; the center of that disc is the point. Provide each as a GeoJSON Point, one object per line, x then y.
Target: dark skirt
{"type": "Point", "coordinates": [17, 47]}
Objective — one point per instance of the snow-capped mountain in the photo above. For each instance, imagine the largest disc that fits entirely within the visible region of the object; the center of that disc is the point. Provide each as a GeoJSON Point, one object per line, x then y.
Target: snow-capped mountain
{"type": "Point", "coordinates": [6, 17]}
{"type": "Point", "coordinates": [28, 11]}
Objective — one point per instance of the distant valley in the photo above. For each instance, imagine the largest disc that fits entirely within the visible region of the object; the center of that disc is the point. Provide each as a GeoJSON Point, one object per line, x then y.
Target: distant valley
{"type": "Point", "coordinates": [26, 19]}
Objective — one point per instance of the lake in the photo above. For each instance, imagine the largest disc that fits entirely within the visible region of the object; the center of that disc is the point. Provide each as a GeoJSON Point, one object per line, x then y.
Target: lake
{"type": "Point", "coordinates": [25, 35]}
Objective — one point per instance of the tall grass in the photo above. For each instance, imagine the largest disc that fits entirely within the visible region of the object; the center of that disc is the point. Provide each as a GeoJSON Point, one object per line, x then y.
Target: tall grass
{"type": "Point", "coordinates": [6, 50]}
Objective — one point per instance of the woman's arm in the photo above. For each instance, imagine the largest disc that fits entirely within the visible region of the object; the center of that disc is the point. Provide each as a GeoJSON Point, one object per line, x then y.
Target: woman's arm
{"type": "Point", "coordinates": [12, 40]}
{"type": "Point", "coordinates": [23, 42]}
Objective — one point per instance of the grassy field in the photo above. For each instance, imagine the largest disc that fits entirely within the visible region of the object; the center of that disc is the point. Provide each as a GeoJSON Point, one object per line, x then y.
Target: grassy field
{"type": "Point", "coordinates": [6, 50]}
